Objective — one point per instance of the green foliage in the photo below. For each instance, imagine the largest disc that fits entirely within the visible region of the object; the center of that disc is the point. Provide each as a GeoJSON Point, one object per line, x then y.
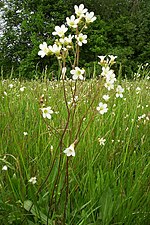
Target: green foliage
{"type": "Point", "coordinates": [108, 184]}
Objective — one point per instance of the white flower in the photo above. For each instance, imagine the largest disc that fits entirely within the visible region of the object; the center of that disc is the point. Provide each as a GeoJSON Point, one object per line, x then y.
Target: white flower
{"type": "Point", "coordinates": [5, 168]}
{"type": "Point", "coordinates": [81, 39]}
{"type": "Point", "coordinates": [11, 85]}
{"type": "Point", "coordinates": [73, 100]}
{"type": "Point", "coordinates": [77, 73]}
{"type": "Point", "coordinates": [102, 108]}
{"type": "Point", "coordinates": [5, 93]}
{"type": "Point", "coordinates": [141, 117]}
{"type": "Point", "coordinates": [22, 89]}
{"type": "Point", "coordinates": [44, 50]}
{"type": "Point", "coordinates": [112, 59]}
{"type": "Point", "coordinates": [70, 150]}
{"type": "Point", "coordinates": [72, 21]}
{"type": "Point", "coordinates": [106, 97]}
{"type": "Point", "coordinates": [138, 89]}
{"type": "Point", "coordinates": [102, 59]}
{"type": "Point", "coordinates": [110, 76]}
{"type": "Point", "coordinates": [109, 85]}
{"type": "Point", "coordinates": [89, 17]}
{"type": "Point", "coordinates": [33, 180]}
{"type": "Point", "coordinates": [119, 91]}
{"type": "Point", "coordinates": [25, 133]}
{"type": "Point", "coordinates": [47, 112]}
{"type": "Point", "coordinates": [66, 40]}
{"type": "Point", "coordinates": [101, 141]}
{"type": "Point", "coordinates": [80, 10]}
{"type": "Point", "coordinates": [105, 70]}
{"type": "Point", "coordinates": [55, 49]}
{"type": "Point", "coordinates": [60, 31]}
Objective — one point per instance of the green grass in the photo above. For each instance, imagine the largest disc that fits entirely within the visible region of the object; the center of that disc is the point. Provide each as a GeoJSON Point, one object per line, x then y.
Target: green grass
{"type": "Point", "coordinates": [103, 184]}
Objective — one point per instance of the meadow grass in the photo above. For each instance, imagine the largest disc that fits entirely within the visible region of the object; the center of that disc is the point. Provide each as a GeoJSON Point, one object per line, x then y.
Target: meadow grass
{"type": "Point", "coordinates": [104, 184]}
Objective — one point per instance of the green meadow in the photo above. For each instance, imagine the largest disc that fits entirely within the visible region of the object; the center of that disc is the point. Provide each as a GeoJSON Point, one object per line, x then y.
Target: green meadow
{"type": "Point", "coordinates": [107, 182]}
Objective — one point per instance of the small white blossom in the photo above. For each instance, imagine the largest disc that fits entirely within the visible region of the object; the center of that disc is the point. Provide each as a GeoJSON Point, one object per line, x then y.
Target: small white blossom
{"type": "Point", "coordinates": [5, 93]}
{"type": "Point", "coordinates": [80, 10]}
{"type": "Point", "coordinates": [112, 59]}
{"type": "Point", "coordinates": [44, 50]}
{"type": "Point", "coordinates": [109, 85]}
{"type": "Point", "coordinates": [32, 180]}
{"type": "Point", "coordinates": [22, 89]}
{"type": "Point", "coordinates": [25, 133]}
{"type": "Point", "coordinates": [67, 41]}
{"type": "Point", "coordinates": [106, 97]}
{"type": "Point", "coordinates": [138, 89]}
{"type": "Point", "coordinates": [72, 21]}
{"type": "Point", "coordinates": [102, 108]}
{"type": "Point", "coordinates": [89, 17]}
{"type": "Point", "coordinates": [101, 141]}
{"type": "Point", "coordinates": [5, 168]}
{"type": "Point", "coordinates": [119, 91]}
{"type": "Point", "coordinates": [47, 112]}
{"type": "Point", "coordinates": [81, 39]}
{"type": "Point", "coordinates": [11, 85]}
{"type": "Point", "coordinates": [141, 117]}
{"type": "Point", "coordinates": [60, 31]}
{"type": "Point", "coordinates": [77, 73]}
{"type": "Point", "coordinates": [55, 49]}
{"type": "Point", "coordinates": [70, 150]}
{"type": "Point", "coordinates": [102, 59]}
{"type": "Point", "coordinates": [105, 69]}
{"type": "Point", "coordinates": [110, 76]}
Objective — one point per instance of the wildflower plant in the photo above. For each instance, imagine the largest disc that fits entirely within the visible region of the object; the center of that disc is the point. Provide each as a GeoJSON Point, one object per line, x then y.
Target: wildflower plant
{"type": "Point", "coordinates": [66, 48]}
{"type": "Point", "coordinates": [108, 74]}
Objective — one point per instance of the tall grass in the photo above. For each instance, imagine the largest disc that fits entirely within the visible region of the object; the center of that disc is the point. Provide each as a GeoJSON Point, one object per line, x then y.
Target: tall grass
{"type": "Point", "coordinates": [101, 185]}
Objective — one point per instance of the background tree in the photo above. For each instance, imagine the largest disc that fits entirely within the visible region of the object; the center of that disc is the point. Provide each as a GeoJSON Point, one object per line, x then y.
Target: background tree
{"type": "Point", "coordinates": [28, 23]}
{"type": "Point", "coordinates": [121, 28]}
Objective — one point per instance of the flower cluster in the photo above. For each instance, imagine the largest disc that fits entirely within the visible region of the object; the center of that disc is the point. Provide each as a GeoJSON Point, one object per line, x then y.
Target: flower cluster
{"type": "Point", "coordinates": [110, 78]}
{"type": "Point", "coordinates": [64, 43]}
{"type": "Point", "coordinates": [107, 72]}
{"type": "Point", "coordinates": [32, 180]}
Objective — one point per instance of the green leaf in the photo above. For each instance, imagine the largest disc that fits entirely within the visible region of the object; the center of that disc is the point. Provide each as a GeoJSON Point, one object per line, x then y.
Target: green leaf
{"type": "Point", "coordinates": [28, 205]}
